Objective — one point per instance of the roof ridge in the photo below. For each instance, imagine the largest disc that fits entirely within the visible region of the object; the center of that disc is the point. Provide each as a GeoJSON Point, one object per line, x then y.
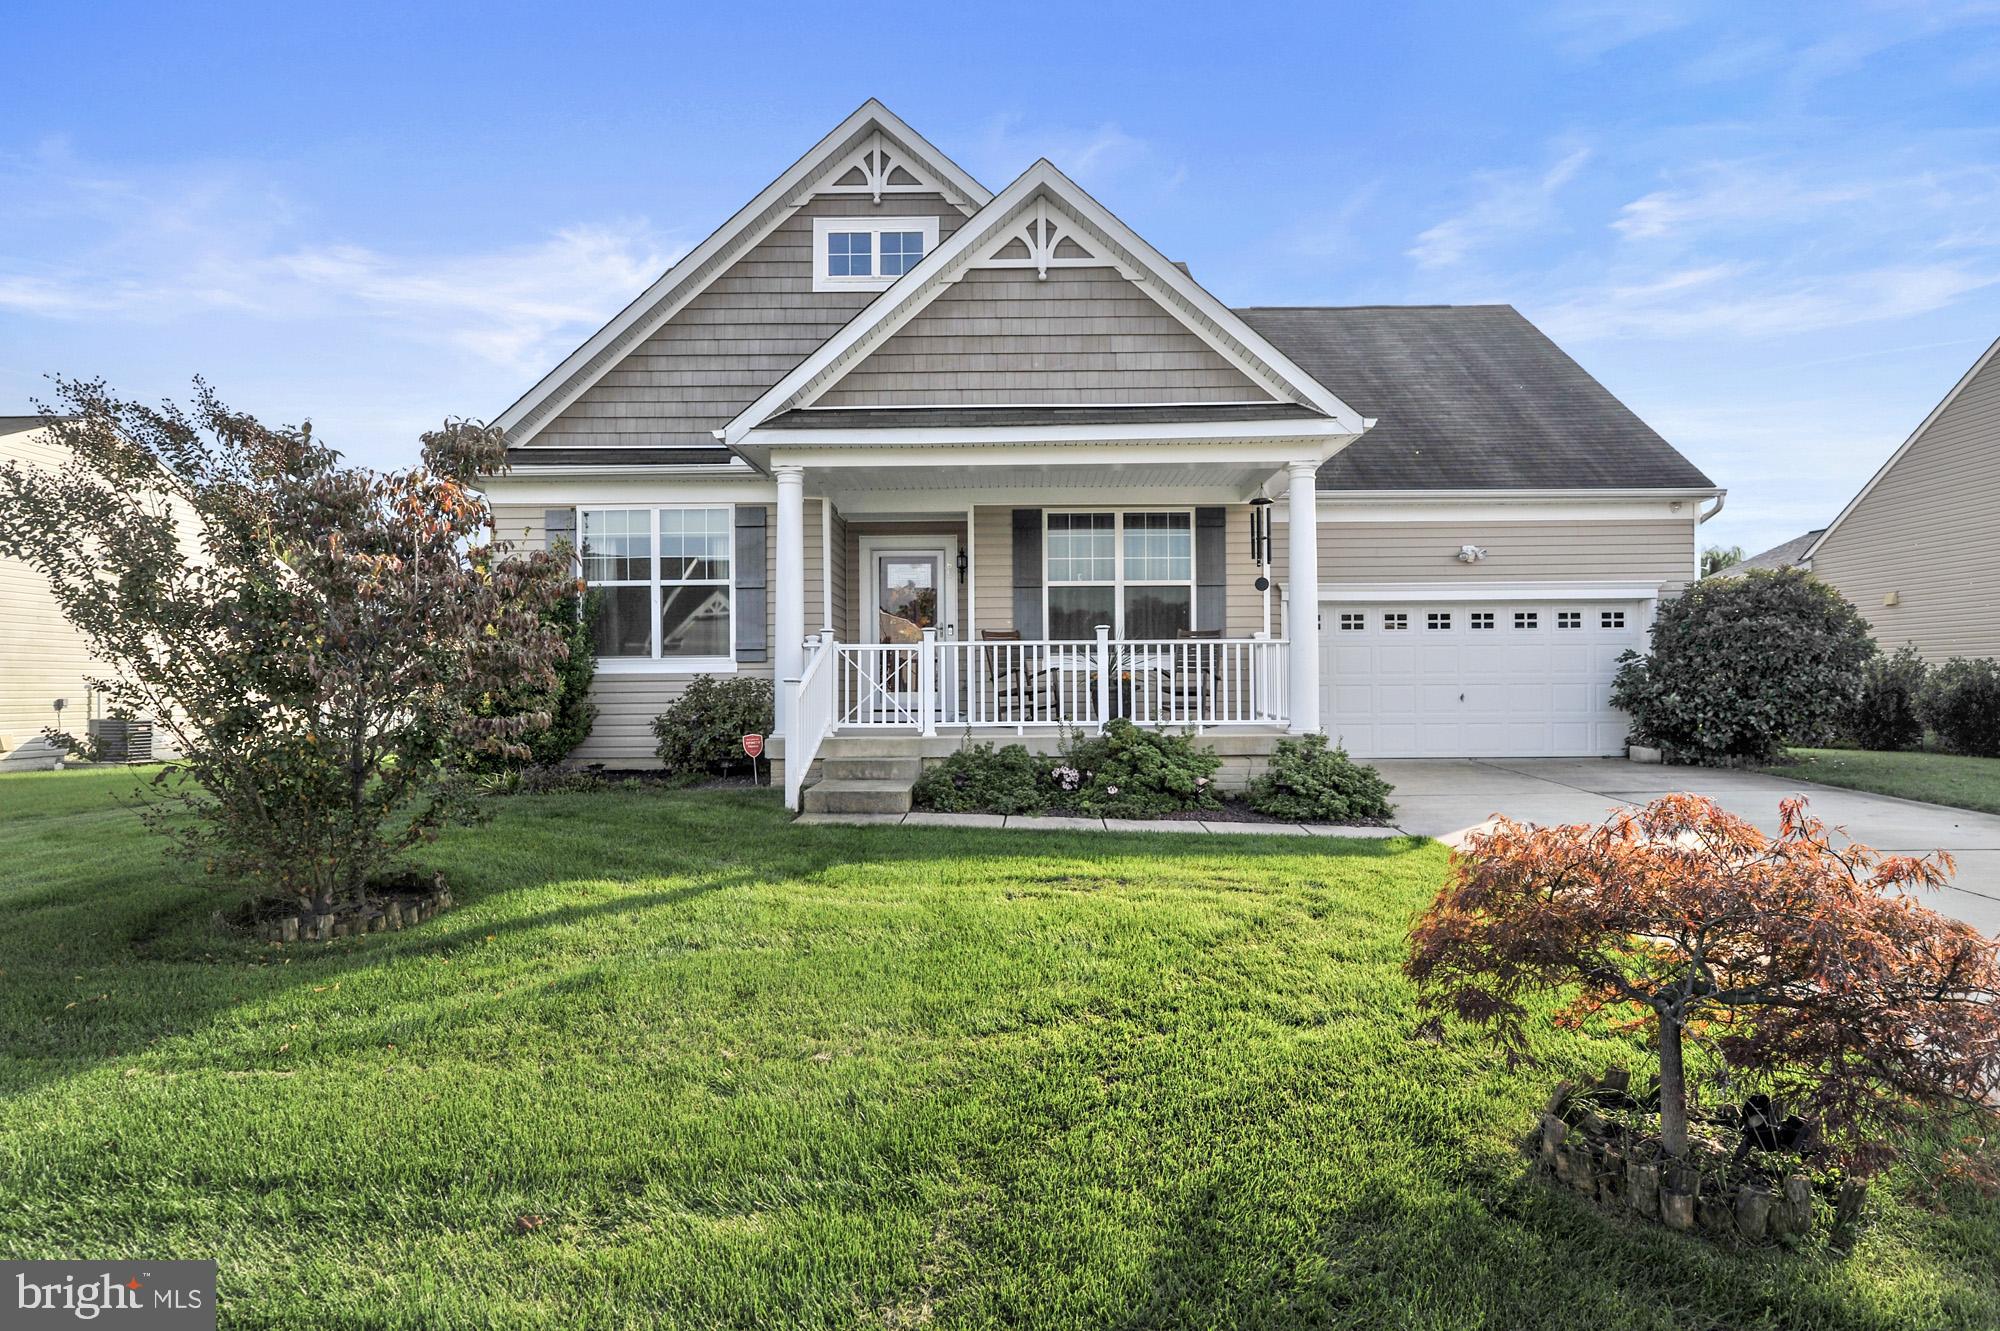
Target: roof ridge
{"type": "Point", "coordinates": [1483, 305]}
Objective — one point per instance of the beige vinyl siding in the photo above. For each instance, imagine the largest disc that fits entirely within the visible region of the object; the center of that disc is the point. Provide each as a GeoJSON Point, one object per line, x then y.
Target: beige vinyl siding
{"type": "Point", "coordinates": [815, 567]}
{"type": "Point", "coordinates": [1000, 335]}
{"type": "Point", "coordinates": [742, 334]}
{"type": "Point", "coordinates": [993, 569]}
{"type": "Point", "coordinates": [843, 588]}
{"type": "Point", "coordinates": [41, 657]}
{"type": "Point", "coordinates": [1926, 532]}
{"type": "Point", "coordinates": [1528, 551]}
{"type": "Point", "coordinates": [520, 525]}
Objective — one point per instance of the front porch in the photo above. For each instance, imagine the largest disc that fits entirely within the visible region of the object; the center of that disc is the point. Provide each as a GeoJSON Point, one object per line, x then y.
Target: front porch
{"type": "Point", "coordinates": [948, 598]}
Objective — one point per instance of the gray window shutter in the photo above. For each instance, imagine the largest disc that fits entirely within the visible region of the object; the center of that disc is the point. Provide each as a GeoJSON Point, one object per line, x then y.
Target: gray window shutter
{"type": "Point", "coordinates": [1028, 572]}
{"type": "Point", "coordinates": [1211, 568]}
{"type": "Point", "coordinates": [753, 596]}
{"type": "Point", "coordinates": [558, 528]}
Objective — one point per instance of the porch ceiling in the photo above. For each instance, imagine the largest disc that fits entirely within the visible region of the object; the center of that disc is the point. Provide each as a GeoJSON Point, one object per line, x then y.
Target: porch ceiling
{"type": "Point", "coordinates": [888, 489]}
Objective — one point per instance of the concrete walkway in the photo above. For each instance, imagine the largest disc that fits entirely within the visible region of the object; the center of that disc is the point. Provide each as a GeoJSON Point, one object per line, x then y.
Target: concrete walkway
{"type": "Point", "coordinates": [1445, 798]}
{"type": "Point", "coordinates": [1024, 823]}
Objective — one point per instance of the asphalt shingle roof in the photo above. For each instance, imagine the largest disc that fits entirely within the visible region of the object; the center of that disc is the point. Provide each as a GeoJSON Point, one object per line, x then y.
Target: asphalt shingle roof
{"type": "Point", "coordinates": [536, 456]}
{"type": "Point", "coordinates": [1778, 556]}
{"type": "Point", "coordinates": [1468, 397]}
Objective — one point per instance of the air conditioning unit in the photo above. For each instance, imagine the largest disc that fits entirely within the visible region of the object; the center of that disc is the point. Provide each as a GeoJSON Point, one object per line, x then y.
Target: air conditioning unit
{"type": "Point", "coordinates": [118, 740]}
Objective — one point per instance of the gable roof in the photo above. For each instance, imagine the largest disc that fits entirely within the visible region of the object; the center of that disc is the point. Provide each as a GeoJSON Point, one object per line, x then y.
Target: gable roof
{"type": "Point", "coordinates": [1790, 554]}
{"type": "Point", "coordinates": [1469, 397]}
{"type": "Point", "coordinates": [1964, 380]}
{"type": "Point", "coordinates": [657, 303]}
{"type": "Point", "coordinates": [1041, 186]}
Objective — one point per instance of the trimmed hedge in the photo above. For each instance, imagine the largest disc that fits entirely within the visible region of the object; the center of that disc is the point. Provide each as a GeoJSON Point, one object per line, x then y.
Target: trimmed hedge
{"type": "Point", "coordinates": [1885, 716]}
{"type": "Point", "coordinates": [701, 732]}
{"type": "Point", "coordinates": [1307, 781]}
{"type": "Point", "coordinates": [1960, 700]}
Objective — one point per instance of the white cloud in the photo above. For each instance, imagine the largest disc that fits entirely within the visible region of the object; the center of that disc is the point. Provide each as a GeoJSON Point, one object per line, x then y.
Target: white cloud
{"type": "Point", "coordinates": [1746, 300]}
{"type": "Point", "coordinates": [1094, 155]}
{"type": "Point", "coordinates": [160, 250]}
{"type": "Point", "coordinates": [1510, 203]}
{"type": "Point", "coordinates": [1587, 29]}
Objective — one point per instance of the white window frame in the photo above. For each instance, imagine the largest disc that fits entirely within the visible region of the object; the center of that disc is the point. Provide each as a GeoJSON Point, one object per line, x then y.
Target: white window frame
{"type": "Point", "coordinates": [875, 226]}
{"type": "Point", "coordinates": [1119, 581]}
{"type": "Point", "coordinates": [656, 664]}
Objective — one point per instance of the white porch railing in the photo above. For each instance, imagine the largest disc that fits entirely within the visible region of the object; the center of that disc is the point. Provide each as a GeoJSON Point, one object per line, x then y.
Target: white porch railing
{"type": "Point", "coordinates": [812, 714]}
{"type": "Point", "coordinates": [1192, 682]}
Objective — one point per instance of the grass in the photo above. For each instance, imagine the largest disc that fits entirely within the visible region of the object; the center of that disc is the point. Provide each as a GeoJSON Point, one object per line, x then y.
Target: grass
{"type": "Point", "coordinates": [1939, 778]}
{"type": "Point", "coordinates": [751, 1074]}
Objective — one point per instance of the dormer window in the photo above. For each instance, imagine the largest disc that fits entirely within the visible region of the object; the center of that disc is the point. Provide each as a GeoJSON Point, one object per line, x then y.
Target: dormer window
{"type": "Point", "coordinates": [868, 253]}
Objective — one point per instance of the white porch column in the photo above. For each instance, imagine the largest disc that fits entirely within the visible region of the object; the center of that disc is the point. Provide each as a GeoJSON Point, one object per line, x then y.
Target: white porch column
{"type": "Point", "coordinates": [1302, 610]}
{"type": "Point", "coordinates": [788, 656]}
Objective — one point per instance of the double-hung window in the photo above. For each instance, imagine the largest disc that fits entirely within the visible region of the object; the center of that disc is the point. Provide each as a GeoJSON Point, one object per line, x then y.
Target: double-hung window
{"type": "Point", "coordinates": [1131, 571]}
{"type": "Point", "coordinates": [662, 581]}
{"type": "Point", "coordinates": [868, 253]}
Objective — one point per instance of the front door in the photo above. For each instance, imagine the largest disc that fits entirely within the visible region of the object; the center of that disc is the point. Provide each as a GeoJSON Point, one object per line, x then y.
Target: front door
{"type": "Point", "coordinates": [906, 590]}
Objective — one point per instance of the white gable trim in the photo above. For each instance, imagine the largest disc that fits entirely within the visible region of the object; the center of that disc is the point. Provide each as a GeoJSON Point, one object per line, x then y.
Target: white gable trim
{"type": "Point", "coordinates": [872, 127]}
{"type": "Point", "coordinates": [980, 239]}
{"type": "Point", "coordinates": [1905, 447]}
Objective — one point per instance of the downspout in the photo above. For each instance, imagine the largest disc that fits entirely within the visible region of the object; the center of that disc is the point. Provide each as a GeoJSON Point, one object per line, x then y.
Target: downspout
{"type": "Point", "coordinates": [1721, 497]}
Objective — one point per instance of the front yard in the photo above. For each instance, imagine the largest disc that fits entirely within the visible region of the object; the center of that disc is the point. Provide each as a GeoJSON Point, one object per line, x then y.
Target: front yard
{"type": "Point", "coordinates": [1938, 778]}
{"type": "Point", "coordinates": [676, 1062]}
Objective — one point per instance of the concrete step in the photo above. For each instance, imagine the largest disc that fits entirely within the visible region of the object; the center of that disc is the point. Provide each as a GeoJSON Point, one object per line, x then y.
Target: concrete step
{"type": "Point", "coordinates": [855, 796]}
{"type": "Point", "coordinates": [871, 768]}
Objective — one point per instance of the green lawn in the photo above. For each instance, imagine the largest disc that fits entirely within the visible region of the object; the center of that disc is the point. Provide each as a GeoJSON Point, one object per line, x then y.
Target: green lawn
{"type": "Point", "coordinates": [753, 1074]}
{"type": "Point", "coordinates": [1941, 778]}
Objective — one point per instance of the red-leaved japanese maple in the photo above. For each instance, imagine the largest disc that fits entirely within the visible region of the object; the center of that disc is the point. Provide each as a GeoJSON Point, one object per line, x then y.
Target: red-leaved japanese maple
{"type": "Point", "coordinates": [1799, 962]}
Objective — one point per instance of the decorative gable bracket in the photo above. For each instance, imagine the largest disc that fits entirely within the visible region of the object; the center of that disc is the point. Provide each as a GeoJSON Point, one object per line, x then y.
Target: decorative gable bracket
{"type": "Point", "coordinates": [1044, 239]}
{"type": "Point", "coordinates": [876, 168]}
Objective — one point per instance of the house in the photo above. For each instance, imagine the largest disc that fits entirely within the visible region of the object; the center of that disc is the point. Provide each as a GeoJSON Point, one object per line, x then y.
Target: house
{"type": "Point", "coordinates": [1915, 551]}
{"type": "Point", "coordinates": [43, 661]}
{"type": "Point", "coordinates": [957, 462]}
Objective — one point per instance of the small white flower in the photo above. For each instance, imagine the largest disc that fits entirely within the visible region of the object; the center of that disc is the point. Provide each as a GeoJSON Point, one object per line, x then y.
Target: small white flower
{"type": "Point", "coordinates": [1111, 790]}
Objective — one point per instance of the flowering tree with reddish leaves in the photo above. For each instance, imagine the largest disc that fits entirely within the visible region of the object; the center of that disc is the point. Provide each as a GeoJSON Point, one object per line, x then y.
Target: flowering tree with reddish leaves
{"type": "Point", "coordinates": [320, 642]}
{"type": "Point", "coordinates": [1799, 963]}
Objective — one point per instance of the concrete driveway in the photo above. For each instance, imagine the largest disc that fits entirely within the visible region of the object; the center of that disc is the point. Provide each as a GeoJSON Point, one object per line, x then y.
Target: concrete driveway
{"type": "Point", "coordinates": [1443, 798]}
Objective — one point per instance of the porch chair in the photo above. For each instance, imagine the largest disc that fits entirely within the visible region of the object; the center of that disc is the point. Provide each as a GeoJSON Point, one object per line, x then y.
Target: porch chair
{"type": "Point", "coordinates": [1190, 684]}
{"type": "Point", "coordinates": [1013, 681]}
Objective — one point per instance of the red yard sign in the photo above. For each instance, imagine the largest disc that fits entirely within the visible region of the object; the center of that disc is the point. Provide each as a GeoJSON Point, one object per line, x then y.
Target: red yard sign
{"type": "Point", "coordinates": [753, 745]}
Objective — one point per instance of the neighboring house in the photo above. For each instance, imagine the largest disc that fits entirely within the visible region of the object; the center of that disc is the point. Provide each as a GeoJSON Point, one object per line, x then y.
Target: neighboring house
{"type": "Point", "coordinates": [958, 462]}
{"type": "Point", "coordinates": [42, 659]}
{"type": "Point", "coordinates": [1789, 555]}
{"type": "Point", "coordinates": [1915, 551]}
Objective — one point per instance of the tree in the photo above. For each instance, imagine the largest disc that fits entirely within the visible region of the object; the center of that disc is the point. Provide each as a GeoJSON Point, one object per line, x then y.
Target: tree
{"type": "Point", "coordinates": [567, 703]}
{"type": "Point", "coordinates": [1719, 557]}
{"type": "Point", "coordinates": [1800, 965]}
{"type": "Point", "coordinates": [1740, 667]}
{"type": "Point", "coordinates": [314, 638]}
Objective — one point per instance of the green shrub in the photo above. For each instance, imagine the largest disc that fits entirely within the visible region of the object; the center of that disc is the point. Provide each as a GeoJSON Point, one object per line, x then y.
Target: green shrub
{"type": "Point", "coordinates": [1127, 772]}
{"type": "Point", "coordinates": [1742, 666]}
{"type": "Point", "coordinates": [1310, 782]}
{"type": "Point", "coordinates": [1961, 702]}
{"type": "Point", "coordinates": [1885, 717]}
{"type": "Point", "coordinates": [571, 712]}
{"type": "Point", "coordinates": [701, 732]}
{"type": "Point", "coordinates": [979, 779]}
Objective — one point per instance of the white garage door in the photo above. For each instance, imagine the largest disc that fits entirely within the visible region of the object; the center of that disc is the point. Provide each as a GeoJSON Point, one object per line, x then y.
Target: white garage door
{"type": "Point", "coordinates": [1500, 679]}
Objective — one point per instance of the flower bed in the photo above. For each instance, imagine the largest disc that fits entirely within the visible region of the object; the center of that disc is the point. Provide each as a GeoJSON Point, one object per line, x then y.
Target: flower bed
{"type": "Point", "coordinates": [1746, 1178]}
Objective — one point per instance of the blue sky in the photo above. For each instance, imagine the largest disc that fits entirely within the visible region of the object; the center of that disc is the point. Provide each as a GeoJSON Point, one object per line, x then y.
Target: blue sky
{"type": "Point", "coordinates": [1773, 230]}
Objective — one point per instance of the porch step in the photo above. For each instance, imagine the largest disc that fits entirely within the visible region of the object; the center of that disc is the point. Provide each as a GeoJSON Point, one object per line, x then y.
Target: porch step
{"type": "Point", "coordinates": [854, 795]}
{"type": "Point", "coordinates": [872, 767]}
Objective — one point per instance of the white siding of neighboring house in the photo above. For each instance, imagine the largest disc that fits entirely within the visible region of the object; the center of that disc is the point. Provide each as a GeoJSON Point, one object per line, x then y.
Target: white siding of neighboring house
{"type": "Point", "coordinates": [41, 657]}
{"type": "Point", "coordinates": [1928, 533]}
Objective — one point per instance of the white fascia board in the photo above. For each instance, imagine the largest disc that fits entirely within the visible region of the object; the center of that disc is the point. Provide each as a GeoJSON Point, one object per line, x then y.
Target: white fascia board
{"type": "Point", "coordinates": [877, 504]}
{"type": "Point", "coordinates": [878, 320]}
{"type": "Point", "coordinates": [1293, 438]}
{"type": "Point", "coordinates": [1901, 449]}
{"type": "Point", "coordinates": [601, 488]}
{"type": "Point", "coordinates": [687, 278]}
{"type": "Point", "coordinates": [1380, 592]}
{"type": "Point", "coordinates": [1081, 453]}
